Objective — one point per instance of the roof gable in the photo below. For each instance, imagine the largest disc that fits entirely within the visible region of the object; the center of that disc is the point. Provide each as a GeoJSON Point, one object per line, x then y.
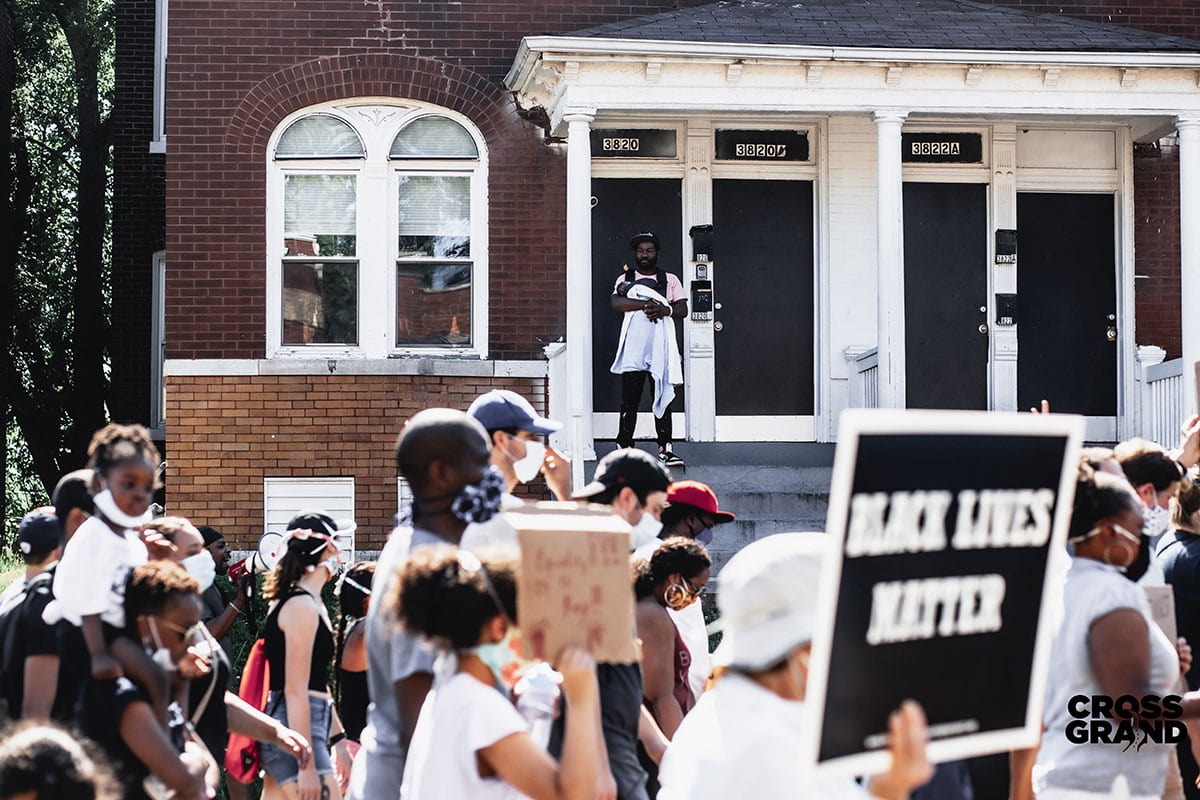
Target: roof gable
{"type": "Point", "coordinates": [918, 24]}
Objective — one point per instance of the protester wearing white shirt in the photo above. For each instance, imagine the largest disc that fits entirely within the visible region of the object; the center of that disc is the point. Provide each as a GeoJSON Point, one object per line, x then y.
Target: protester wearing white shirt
{"type": "Point", "coordinates": [744, 737]}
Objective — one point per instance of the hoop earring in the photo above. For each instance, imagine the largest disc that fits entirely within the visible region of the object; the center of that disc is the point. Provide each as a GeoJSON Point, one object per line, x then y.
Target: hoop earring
{"type": "Point", "coordinates": [674, 596]}
{"type": "Point", "coordinates": [1108, 550]}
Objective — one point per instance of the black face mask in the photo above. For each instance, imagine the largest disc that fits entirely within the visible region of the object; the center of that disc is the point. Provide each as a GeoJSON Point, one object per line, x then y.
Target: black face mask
{"type": "Point", "coordinates": [475, 502]}
{"type": "Point", "coordinates": [1141, 564]}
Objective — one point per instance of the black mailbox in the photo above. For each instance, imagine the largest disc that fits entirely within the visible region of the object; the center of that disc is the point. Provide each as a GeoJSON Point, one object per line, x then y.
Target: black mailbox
{"type": "Point", "coordinates": [702, 242]}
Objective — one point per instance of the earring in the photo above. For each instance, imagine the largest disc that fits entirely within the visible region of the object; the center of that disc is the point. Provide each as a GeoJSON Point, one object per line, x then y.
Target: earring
{"type": "Point", "coordinates": [674, 596]}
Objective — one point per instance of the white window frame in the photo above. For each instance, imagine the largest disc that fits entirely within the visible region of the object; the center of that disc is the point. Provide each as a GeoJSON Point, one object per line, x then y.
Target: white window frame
{"type": "Point", "coordinates": [377, 121]}
{"type": "Point", "coordinates": [158, 129]}
{"type": "Point", "coordinates": [158, 344]}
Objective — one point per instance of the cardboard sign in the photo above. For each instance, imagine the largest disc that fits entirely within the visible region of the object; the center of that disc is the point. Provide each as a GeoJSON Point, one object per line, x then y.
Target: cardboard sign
{"type": "Point", "coordinates": [576, 587]}
{"type": "Point", "coordinates": [1162, 609]}
{"type": "Point", "coordinates": [944, 524]}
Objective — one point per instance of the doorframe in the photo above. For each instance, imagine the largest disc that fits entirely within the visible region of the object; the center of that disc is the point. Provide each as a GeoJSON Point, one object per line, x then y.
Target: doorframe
{"type": "Point", "coordinates": [1117, 182]}
{"type": "Point", "coordinates": [697, 168]}
{"type": "Point", "coordinates": [974, 174]}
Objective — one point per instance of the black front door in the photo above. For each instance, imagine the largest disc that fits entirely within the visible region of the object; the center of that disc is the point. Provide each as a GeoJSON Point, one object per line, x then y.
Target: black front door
{"type": "Point", "coordinates": [623, 207]}
{"type": "Point", "coordinates": [945, 288]}
{"type": "Point", "coordinates": [763, 281]}
{"type": "Point", "coordinates": [1066, 296]}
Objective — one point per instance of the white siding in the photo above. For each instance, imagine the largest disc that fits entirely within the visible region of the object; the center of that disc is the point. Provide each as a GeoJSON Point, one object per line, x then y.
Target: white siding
{"type": "Point", "coordinates": [852, 280]}
{"type": "Point", "coordinates": [283, 498]}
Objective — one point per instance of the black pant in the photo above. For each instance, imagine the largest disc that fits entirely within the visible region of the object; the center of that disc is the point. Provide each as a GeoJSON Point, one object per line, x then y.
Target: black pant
{"type": "Point", "coordinates": [631, 397]}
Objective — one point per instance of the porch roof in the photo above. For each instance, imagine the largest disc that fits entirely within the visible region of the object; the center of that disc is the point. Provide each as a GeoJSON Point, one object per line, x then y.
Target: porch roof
{"type": "Point", "coordinates": [920, 24]}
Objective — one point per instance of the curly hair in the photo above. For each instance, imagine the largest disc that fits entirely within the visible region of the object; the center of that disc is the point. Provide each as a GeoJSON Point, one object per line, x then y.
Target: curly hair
{"type": "Point", "coordinates": [154, 584]}
{"type": "Point", "coordinates": [677, 555]}
{"type": "Point", "coordinates": [1098, 495]}
{"type": "Point", "coordinates": [49, 761]}
{"type": "Point", "coordinates": [440, 595]}
{"type": "Point", "coordinates": [115, 444]}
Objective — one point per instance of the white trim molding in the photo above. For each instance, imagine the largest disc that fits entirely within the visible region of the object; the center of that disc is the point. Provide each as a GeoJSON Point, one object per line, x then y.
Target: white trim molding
{"type": "Point", "coordinates": [434, 367]}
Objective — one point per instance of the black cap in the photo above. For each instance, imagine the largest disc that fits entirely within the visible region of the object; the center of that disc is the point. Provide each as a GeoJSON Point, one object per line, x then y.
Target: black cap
{"type": "Point", "coordinates": [73, 492]}
{"type": "Point", "coordinates": [630, 467]}
{"type": "Point", "coordinates": [645, 236]}
{"type": "Point", "coordinates": [209, 534]}
{"type": "Point", "coordinates": [40, 532]}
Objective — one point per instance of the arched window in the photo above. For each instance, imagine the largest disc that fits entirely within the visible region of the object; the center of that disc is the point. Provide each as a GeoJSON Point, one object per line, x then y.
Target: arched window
{"type": "Point", "coordinates": [377, 219]}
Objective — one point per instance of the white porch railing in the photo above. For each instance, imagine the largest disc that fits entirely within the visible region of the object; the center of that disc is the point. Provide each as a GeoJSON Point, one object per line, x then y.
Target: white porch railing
{"type": "Point", "coordinates": [864, 376]}
{"type": "Point", "coordinates": [1163, 409]}
{"type": "Point", "coordinates": [558, 398]}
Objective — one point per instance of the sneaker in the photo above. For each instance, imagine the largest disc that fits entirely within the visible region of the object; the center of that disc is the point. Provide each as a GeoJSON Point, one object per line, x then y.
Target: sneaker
{"type": "Point", "coordinates": [669, 459]}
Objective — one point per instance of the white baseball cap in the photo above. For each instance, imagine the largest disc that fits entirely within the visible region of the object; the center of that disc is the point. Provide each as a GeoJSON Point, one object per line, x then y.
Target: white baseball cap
{"type": "Point", "coordinates": [767, 595]}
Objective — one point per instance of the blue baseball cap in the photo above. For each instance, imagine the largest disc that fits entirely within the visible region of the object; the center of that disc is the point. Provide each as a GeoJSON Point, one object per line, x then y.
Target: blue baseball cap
{"type": "Point", "coordinates": [502, 409]}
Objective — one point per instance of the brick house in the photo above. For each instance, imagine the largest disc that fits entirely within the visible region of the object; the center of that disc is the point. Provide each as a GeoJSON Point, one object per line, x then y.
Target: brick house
{"type": "Point", "coordinates": [333, 216]}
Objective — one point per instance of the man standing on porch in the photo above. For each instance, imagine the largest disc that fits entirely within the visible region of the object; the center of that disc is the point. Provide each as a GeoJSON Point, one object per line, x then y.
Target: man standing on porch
{"type": "Point", "coordinates": [651, 299]}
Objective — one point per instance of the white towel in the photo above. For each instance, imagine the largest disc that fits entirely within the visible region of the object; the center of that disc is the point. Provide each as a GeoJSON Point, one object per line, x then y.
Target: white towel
{"type": "Point", "coordinates": [649, 345]}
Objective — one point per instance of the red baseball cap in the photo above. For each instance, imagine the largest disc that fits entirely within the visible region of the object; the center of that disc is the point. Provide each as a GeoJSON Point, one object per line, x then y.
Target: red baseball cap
{"type": "Point", "coordinates": [698, 495]}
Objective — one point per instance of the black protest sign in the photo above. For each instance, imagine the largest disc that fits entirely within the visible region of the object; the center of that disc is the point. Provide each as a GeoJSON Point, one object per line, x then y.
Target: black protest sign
{"type": "Point", "coordinates": [944, 524]}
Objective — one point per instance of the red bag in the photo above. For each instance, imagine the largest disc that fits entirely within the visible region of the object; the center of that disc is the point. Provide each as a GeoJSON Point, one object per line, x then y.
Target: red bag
{"type": "Point", "coordinates": [241, 756]}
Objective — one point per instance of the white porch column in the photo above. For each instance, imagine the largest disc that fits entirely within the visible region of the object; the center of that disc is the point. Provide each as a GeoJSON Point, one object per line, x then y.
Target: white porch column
{"type": "Point", "coordinates": [579, 287]}
{"type": "Point", "coordinates": [890, 258]}
{"type": "Point", "coordinates": [1189, 251]}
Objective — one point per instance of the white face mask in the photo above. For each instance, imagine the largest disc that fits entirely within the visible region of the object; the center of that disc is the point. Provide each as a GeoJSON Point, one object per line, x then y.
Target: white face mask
{"type": "Point", "coordinates": [202, 568]}
{"type": "Point", "coordinates": [1156, 520]}
{"type": "Point", "coordinates": [108, 507]}
{"type": "Point", "coordinates": [527, 468]}
{"type": "Point", "coordinates": [646, 530]}
{"type": "Point", "coordinates": [161, 655]}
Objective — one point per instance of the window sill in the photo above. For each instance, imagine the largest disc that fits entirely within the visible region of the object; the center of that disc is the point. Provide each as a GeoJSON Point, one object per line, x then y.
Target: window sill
{"type": "Point", "coordinates": [472, 367]}
{"type": "Point", "coordinates": [158, 145]}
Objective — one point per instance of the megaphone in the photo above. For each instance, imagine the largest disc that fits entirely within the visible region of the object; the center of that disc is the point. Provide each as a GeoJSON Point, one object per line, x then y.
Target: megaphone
{"type": "Point", "coordinates": [263, 559]}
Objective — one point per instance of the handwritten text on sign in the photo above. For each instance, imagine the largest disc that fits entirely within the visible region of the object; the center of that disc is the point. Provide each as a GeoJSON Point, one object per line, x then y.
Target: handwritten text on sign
{"type": "Point", "coordinates": [575, 589]}
{"type": "Point", "coordinates": [884, 523]}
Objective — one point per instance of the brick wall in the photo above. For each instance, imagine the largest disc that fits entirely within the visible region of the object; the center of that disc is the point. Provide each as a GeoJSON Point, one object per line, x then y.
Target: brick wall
{"type": "Point", "coordinates": [237, 70]}
{"type": "Point", "coordinates": [1156, 241]}
{"type": "Point", "coordinates": [228, 433]}
{"type": "Point", "coordinates": [138, 204]}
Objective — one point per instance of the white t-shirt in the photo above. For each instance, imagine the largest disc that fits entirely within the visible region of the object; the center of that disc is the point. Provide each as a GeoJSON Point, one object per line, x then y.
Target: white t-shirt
{"type": "Point", "coordinates": [459, 718]}
{"type": "Point", "coordinates": [742, 741]}
{"type": "Point", "coordinates": [92, 573]}
{"type": "Point", "coordinates": [1092, 591]}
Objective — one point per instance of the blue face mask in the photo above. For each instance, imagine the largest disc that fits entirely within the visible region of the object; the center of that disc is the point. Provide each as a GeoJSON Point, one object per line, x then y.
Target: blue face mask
{"type": "Point", "coordinates": [705, 536]}
{"type": "Point", "coordinates": [503, 659]}
{"type": "Point", "coordinates": [479, 502]}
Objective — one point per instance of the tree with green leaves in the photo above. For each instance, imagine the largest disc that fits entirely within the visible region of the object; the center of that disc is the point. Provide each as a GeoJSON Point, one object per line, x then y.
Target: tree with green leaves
{"type": "Point", "coordinates": [55, 259]}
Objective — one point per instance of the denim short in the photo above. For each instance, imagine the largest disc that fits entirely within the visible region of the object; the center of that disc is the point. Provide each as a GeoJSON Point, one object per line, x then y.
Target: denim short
{"type": "Point", "coordinates": [283, 767]}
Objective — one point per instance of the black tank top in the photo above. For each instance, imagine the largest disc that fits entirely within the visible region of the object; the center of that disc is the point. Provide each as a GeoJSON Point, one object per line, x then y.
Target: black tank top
{"type": "Point", "coordinates": [353, 698]}
{"type": "Point", "coordinates": [275, 647]}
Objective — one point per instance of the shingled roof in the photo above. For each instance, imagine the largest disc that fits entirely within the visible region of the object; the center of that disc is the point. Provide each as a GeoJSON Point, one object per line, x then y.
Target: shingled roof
{"type": "Point", "coordinates": [921, 24]}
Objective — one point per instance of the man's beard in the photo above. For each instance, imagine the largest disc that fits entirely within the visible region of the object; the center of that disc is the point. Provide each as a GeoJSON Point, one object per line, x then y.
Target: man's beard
{"type": "Point", "coordinates": [649, 266]}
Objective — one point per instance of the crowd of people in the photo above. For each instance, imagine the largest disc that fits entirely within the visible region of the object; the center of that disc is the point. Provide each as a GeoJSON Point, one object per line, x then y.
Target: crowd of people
{"type": "Point", "coordinates": [405, 680]}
